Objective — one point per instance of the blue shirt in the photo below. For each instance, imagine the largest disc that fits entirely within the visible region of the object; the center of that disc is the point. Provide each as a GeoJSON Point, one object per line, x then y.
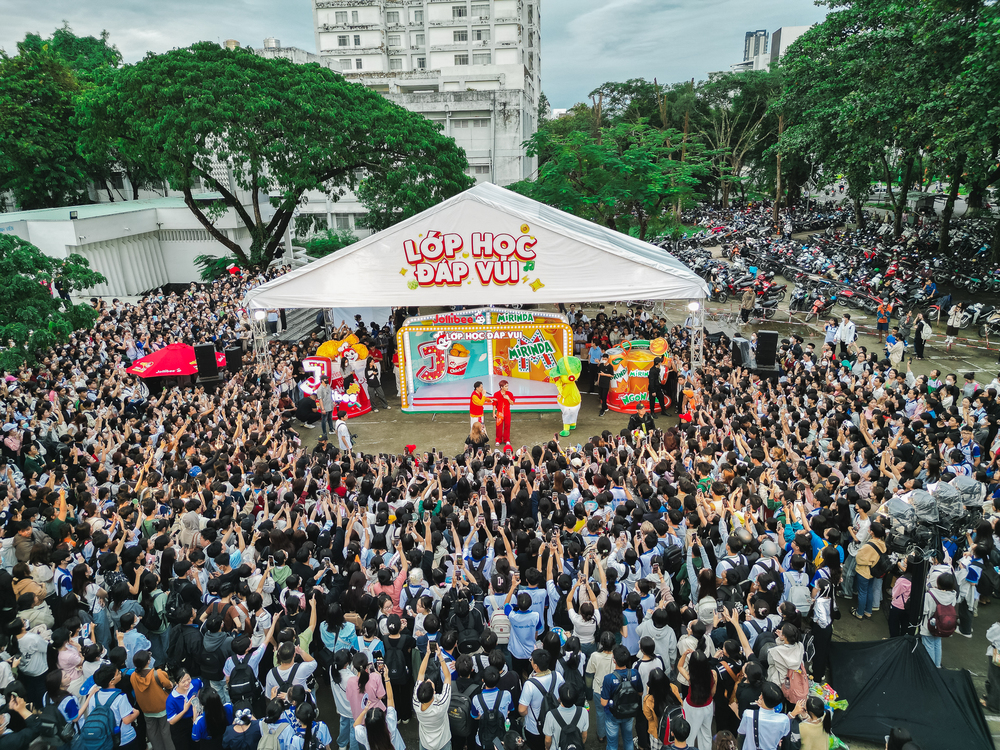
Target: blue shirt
{"type": "Point", "coordinates": [524, 626]}
{"type": "Point", "coordinates": [595, 354]}
{"type": "Point", "coordinates": [613, 680]}
{"type": "Point", "coordinates": [175, 701]}
{"type": "Point", "coordinates": [200, 732]}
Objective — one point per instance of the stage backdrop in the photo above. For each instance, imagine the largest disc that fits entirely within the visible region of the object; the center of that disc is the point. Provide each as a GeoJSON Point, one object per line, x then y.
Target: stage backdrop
{"type": "Point", "coordinates": [631, 361]}
{"type": "Point", "coordinates": [443, 355]}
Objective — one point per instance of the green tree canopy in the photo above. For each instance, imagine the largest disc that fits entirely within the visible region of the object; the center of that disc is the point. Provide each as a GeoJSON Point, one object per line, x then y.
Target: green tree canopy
{"type": "Point", "coordinates": [31, 319]}
{"type": "Point", "coordinates": [281, 129]}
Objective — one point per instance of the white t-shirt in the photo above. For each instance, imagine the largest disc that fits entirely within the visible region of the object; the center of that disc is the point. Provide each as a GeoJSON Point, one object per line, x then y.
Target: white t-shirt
{"type": "Point", "coordinates": [391, 723]}
{"type": "Point", "coordinates": [433, 724]}
{"type": "Point", "coordinates": [305, 669]}
{"type": "Point", "coordinates": [531, 697]}
{"type": "Point", "coordinates": [771, 727]}
{"type": "Point", "coordinates": [343, 435]}
{"type": "Point", "coordinates": [120, 707]}
{"type": "Point", "coordinates": [552, 729]}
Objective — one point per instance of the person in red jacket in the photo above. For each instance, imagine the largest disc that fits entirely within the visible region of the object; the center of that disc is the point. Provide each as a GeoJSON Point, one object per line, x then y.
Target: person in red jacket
{"type": "Point", "coordinates": [502, 401]}
{"type": "Point", "coordinates": [476, 403]}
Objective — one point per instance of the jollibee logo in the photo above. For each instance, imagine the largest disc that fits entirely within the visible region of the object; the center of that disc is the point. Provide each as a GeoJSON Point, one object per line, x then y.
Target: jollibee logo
{"type": "Point", "coordinates": [444, 259]}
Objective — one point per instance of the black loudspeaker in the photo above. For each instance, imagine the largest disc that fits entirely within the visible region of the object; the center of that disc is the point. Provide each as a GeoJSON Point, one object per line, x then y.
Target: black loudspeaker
{"type": "Point", "coordinates": [234, 359]}
{"type": "Point", "coordinates": [204, 357]}
{"type": "Point", "coordinates": [742, 356]}
{"type": "Point", "coordinates": [767, 349]}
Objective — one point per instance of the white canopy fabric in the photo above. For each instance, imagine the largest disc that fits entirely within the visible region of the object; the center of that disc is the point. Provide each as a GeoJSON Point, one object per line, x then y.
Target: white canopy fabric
{"type": "Point", "coordinates": [486, 246]}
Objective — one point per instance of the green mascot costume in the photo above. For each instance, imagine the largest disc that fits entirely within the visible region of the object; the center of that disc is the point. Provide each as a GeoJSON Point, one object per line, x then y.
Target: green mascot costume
{"type": "Point", "coordinates": [564, 375]}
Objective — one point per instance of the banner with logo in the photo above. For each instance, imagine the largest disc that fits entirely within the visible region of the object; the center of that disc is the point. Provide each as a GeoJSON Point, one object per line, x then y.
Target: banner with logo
{"type": "Point", "coordinates": [631, 361]}
{"type": "Point", "coordinates": [444, 355]}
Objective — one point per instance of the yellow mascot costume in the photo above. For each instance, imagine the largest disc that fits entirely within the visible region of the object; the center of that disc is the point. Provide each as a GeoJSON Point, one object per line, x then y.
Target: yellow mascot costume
{"type": "Point", "coordinates": [564, 375]}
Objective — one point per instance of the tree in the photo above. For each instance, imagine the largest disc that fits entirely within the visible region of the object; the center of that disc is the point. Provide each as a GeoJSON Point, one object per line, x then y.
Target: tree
{"type": "Point", "coordinates": [279, 129]}
{"type": "Point", "coordinates": [31, 319]}
{"type": "Point", "coordinates": [39, 160]}
{"type": "Point", "coordinates": [84, 55]}
{"type": "Point", "coordinates": [328, 242]}
{"type": "Point", "coordinates": [626, 177]}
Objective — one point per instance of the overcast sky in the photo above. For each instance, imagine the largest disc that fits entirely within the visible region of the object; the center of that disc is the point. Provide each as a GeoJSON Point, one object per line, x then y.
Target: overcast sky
{"type": "Point", "coordinates": [584, 42]}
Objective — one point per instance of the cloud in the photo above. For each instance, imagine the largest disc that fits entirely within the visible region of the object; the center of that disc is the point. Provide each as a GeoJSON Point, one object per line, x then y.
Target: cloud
{"type": "Point", "coordinates": [584, 42]}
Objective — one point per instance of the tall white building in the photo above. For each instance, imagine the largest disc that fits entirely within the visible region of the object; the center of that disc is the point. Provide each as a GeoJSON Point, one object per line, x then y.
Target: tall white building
{"type": "Point", "coordinates": [756, 55]}
{"type": "Point", "coordinates": [471, 65]}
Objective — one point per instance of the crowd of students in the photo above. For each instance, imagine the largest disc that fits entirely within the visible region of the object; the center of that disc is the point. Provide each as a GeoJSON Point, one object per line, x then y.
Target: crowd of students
{"type": "Point", "coordinates": [183, 569]}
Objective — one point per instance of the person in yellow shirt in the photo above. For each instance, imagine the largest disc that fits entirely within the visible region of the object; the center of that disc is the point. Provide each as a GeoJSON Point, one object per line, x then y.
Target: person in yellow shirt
{"type": "Point", "coordinates": [476, 402]}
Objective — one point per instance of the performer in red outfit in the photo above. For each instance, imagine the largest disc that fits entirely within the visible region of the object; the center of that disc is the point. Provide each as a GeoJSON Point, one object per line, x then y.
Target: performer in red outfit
{"type": "Point", "coordinates": [502, 401]}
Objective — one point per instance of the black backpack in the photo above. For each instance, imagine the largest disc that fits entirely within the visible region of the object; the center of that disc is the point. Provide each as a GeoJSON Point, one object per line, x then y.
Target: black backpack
{"type": "Point", "coordinates": [151, 619]}
{"type": "Point", "coordinates": [575, 680]}
{"type": "Point", "coordinates": [477, 571]}
{"type": "Point", "coordinates": [570, 737]}
{"type": "Point", "coordinates": [285, 684]}
{"type": "Point", "coordinates": [243, 684]}
{"type": "Point", "coordinates": [177, 610]}
{"type": "Point", "coordinates": [492, 722]}
{"type": "Point", "coordinates": [626, 700]}
{"type": "Point", "coordinates": [395, 662]}
{"type": "Point", "coordinates": [882, 566]}
{"type": "Point", "coordinates": [212, 664]}
{"type": "Point", "coordinates": [53, 727]}
{"type": "Point", "coordinates": [468, 634]}
{"type": "Point", "coordinates": [549, 699]}
{"type": "Point", "coordinates": [460, 712]}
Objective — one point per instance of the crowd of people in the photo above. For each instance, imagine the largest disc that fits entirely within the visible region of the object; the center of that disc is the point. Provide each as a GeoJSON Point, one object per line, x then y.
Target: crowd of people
{"type": "Point", "coordinates": [183, 567]}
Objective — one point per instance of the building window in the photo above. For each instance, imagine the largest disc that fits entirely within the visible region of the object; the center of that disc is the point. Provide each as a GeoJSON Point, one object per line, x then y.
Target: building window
{"type": "Point", "coordinates": [531, 41]}
{"type": "Point", "coordinates": [343, 40]}
{"type": "Point", "coordinates": [357, 40]}
{"type": "Point", "coordinates": [343, 221]}
{"type": "Point", "coordinates": [418, 40]}
{"type": "Point", "coordinates": [531, 14]}
{"type": "Point", "coordinates": [459, 11]}
{"type": "Point", "coordinates": [421, 63]}
{"type": "Point", "coordinates": [460, 36]}
{"type": "Point", "coordinates": [357, 63]}
{"type": "Point", "coordinates": [418, 16]}
{"type": "Point", "coordinates": [393, 40]}
{"type": "Point", "coordinates": [392, 16]}
{"type": "Point", "coordinates": [345, 64]}
{"type": "Point", "coordinates": [354, 16]}
{"type": "Point", "coordinates": [461, 59]}
{"type": "Point", "coordinates": [481, 58]}
{"type": "Point", "coordinates": [117, 183]}
{"type": "Point", "coordinates": [480, 9]}
{"type": "Point", "coordinates": [395, 63]}
{"type": "Point", "coordinates": [480, 35]}
{"type": "Point", "coordinates": [460, 123]}
{"type": "Point", "coordinates": [481, 169]}
{"type": "Point", "coordinates": [341, 16]}
{"type": "Point", "coordinates": [480, 123]}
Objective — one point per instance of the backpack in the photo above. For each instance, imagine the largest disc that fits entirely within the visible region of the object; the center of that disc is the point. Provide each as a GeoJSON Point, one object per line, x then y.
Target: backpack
{"type": "Point", "coordinates": [314, 743]}
{"type": "Point", "coordinates": [285, 684]}
{"type": "Point", "coordinates": [53, 727]}
{"type": "Point", "coordinates": [492, 722]}
{"type": "Point", "coordinates": [212, 664]}
{"type": "Point", "coordinates": [798, 591]}
{"type": "Point", "coordinates": [574, 679]}
{"type": "Point", "coordinates": [500, 625]}
{"type": "Point", "coordinates": [411, 598]}
{"type": "Point", "coordinates": [468, 635]}
{"type": "Point", "coordinates": [672, 714]}
{"type": "Point", "coordinates": [570, 737]}
{"type": "Point", "coordinates": [269, 736]}
{"type": "Point", "coordinates": [673, 558]}
{"type": "Point", "coordinates": [395, 662]}
{"type": "Point", "coordinates": [477, 571]}
{"type": "Point", "coordinates": [549, 700]}
{"type": "Point", "coordinates": [943, 620]}
{"type": "Point", "coordinates": [882, 566]}
{"type": "Point", "coordinates": [626, 702]}
{"type": "Point", "coordinates": [98, 731]}
{"type": "Point", "coordinates": [153, 619]}
{"type": "Point", "coordinates": [796, 684]}
{"type": "Point", "coordinates": [243, 684]}
{"type": "Point", "coordinates": [460, 712]}
{"type": "Point", "coordinates": [176, 609]}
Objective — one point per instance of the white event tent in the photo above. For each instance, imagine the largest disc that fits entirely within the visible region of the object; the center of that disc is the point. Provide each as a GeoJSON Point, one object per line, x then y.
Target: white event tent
{"type": "Point", "coordinates": [485, 246]}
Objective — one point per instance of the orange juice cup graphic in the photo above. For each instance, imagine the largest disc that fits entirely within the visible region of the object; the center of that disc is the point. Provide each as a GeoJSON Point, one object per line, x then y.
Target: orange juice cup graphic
{"type": "Point", "coordinates": [639, 362]}
{"type": "Point", "coordinates": [458, 360]}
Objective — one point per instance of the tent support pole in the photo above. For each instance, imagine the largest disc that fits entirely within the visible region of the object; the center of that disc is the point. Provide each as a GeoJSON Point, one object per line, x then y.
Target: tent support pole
{"type": "Point", "coordinates": [261, 346]}
{"type": "Point", "coordinates": [696, 319]}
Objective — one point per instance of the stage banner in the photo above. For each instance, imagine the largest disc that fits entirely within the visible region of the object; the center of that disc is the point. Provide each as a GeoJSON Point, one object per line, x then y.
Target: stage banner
{"type": "Point", "coordinates": [445, 354]}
